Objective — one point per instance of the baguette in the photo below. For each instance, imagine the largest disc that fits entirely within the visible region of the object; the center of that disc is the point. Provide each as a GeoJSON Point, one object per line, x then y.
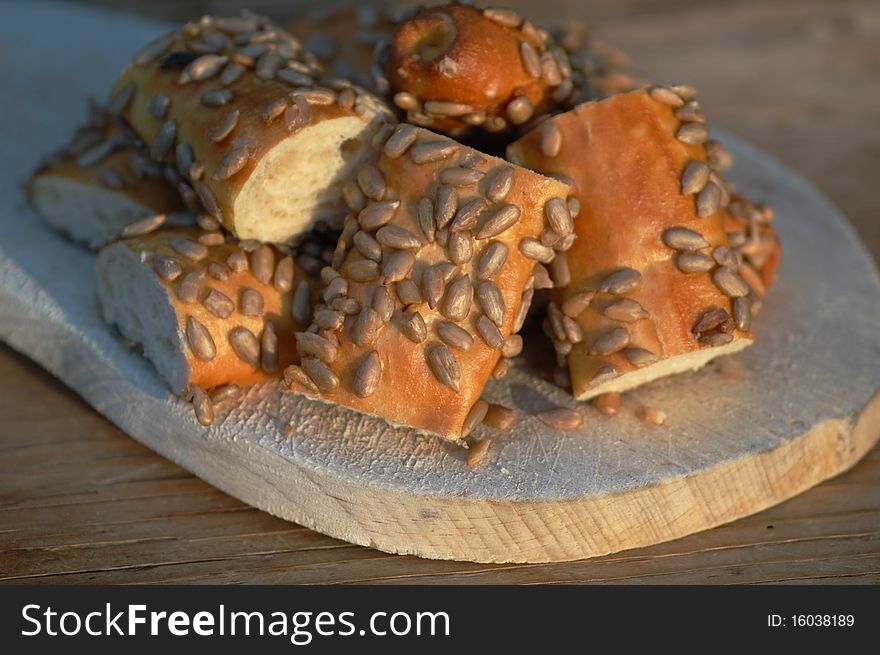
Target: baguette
{"type": "Point", "coordinates": [264, 140]}
{"type": "Point", "coordinates": [431, 279]}
{"type": "Point", "coordinates": [101, 181]}
{"type": "Point", "coordinates": [206, 310]}
{"type": "Point", "coordinates": [651, 286]}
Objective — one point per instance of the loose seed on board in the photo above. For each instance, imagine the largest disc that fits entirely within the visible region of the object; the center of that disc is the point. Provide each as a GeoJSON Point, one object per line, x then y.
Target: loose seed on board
{"type": "Point", "coordinates": [694, 177]}
{"type": "Point", "coordinates": [413, 326]}
{"type": "Point", "coordinates": [320, 374]}
{"type": "Point", "coordinates": [301, 306]}
{"type": "Point", "coordinates": [682, 238]}
{"type": "Point", "coordinates": [224, 128]}
{"type": "Point", "coordinates": [143, 226]}
{"type": "Point", "coordinates": [730, 282]}
{"type": "Point", "coordinates": [454, 335]}
{"type": "Point", "coordinates": [609, 403]}
{"type": "Point", "coordinates": [478, 450]}
{"type": "Point", "coordinates": [551, 139]}
{"type": "Point", "coordinates": [190, 286]}
{"type": "Point", "coordinates": [202, 405]}
{"type": "Point", "coordinates": [367, 377]}
{"type": "Point", "coordinates": [251, 302]}
{"type": "Point", "coordinates": [562, 418]}
{"type": "Point", "coordinates": [199, 339]}
{"type": "Point", "coordinates": [377, 214]}
{"type": "Point", "coordinates": [398, 266]}
{"type": "Point", "coordinates": [708, 200]}
{"type": "Point", "coordinates": [694, 262]}
{"type": "Point", "coordinates": [651, 416]}
{"type": "Point", "coordinates": [611, 342]}
{"type": "Point", "coordinates": [444, 366]}
{"type": "Point", "coordinates": [218, 303]}
{"type": "Point", "coordinates": [742, 313]}
{"type": "Point", "coordinates": [621, 281]}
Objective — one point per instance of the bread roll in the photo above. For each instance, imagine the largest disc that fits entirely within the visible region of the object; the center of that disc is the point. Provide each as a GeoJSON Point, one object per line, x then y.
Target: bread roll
{"type": "Point", "coordinates": [264, 140]}
{"type": "Point", "coordinates": [455, 66]}
{"type": "Point", "coordinates": [205, 310]}
{"type": "Point", "coordinates": [101, 181]}
{"type": "Point", "coordinates": [650, 287]}
{"type": "Point", "coordinates": [430, 282]}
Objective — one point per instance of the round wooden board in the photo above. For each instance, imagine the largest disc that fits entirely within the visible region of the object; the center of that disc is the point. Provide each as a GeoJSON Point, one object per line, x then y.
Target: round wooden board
{"type": "Point", "coordinates": [805, 407]}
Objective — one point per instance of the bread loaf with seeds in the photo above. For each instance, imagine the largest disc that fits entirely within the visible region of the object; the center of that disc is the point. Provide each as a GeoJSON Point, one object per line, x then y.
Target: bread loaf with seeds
{"type": "Point", "coordinates": [204, 310]}
{"type": "Point", "coordinates": [454, 66]}
{"type": "Point", "coordinates": [431, 279]}
{"type": "Point", "coordinates": [261, 137]}
{"type": "Point", "coordinates": [101, 181]}
{"type": "Point", "coordinates": [651, 284]}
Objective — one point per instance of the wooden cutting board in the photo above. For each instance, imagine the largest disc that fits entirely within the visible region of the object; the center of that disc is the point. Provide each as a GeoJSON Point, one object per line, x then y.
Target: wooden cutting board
{"type": "Point", "coordinates": [803, 407]}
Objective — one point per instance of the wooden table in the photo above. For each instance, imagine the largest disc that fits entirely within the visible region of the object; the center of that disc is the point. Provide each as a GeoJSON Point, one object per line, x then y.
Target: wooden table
{"type": "Point", "coordinates": [80, 502]}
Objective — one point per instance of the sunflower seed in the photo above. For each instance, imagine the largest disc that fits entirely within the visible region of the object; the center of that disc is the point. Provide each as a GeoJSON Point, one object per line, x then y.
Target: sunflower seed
{"type": "Point", "coordinates": [212, 239]}
{"type": "Point", "coordinates": [742, 313]}
{"type": "Point", "coordinates": [550, 73]}
{"type": "Point", "coordinates": [433, 286]}
{"type": "Point", "coordinates": [556, 211]}
{"type": "Point", "coordinates": [269, 348]}
{"type": "Point", "coordinates": [218, 271]}
{"type": "Point", "coordinates": [336, 287]}
{"type": "Point", "coordinates": [459, 297]}
{"type": "Point", "coordinates": [609, 403]}
{"type": "Point", "coordinates": [163, 140]}
{"type": "Point", "coordinates": [263, 263]}
{"type": "Point", "coordinates": [466, 216]}
{"type": "Point", "coordinates": [534, 249]}
{"type": "Point", "coordinates": [251, 302]}
{"type": "Point", "coordinates": [625, 310]}
{"type": "Point", "coordinates": [362, 270]}
{"type": "Point", "coordinates": [406, 101]}
{"type": "Point", "coordinates": [474, 417]}
{"type": "Point", "coordinates": [297, 115]}
{"type": "Point", "coordinates": [455, 336]}
{"type": "Point", "coordinates": [682, 238]}
{"type": "Point", "coordinates": [446, 108]}
{"type": "Point", "coordinates": [314, 345]}
{"type": "Point", "coordinates": [268, 65]}
{"type": "Point", "coordinates": [367, 377]}
{"type": "Point", "coordinates": [295, 375]}
{"type": "Point", "coordinates": [159, 104]}
{"type": "Point", "coordinates": [519, 110]}
{"type": "Point", "coordinates": [730, 282]}
{"type": "Point", "coordinates": [143, 226]}
{"type": "Point", "coordinates": [576, 304]}
{"type": "Point", "coordinates": [397, 267]}
{"type": "Point", "coordinates": [301, 306]}
{"type": "Point", "coordinates": [283, 279]}
{"type": "Point", "coordinates": [460, 177]}
{"type": "Point", "coordinates": [218, 304]}
{"type": "Point", "coordinates": [502, 368]}
{"type": "Point", "coordinates": [190, 286]}
{"type": "Point", "coordinates": [328, 319]}
{"type": "Point", "coordinates": [708, 200]}
{"type": "Point", "coordinates": [530, 60]}
{"type": "Point", "coordinates": [491, 302]}
{"type": "Point", "coordinates": [217, 97]}
{"type": "Point", "coordinates": [231, 73]}
{"type": "Point", "coordinates": [398, 237]}
{"type": "Point", "coordinates": [202, 405]}
{"type": "Point", "coordinates": [199, 339]}
{"type": "Point", "coordinates": [408, 293]}
{"type": "Point", "coordinates": [377, 214]}
{"type": "Point", "coordinates": [348, 306]}
{"type": "Point", "coordinates": [432, 151]}
{"type": "Point", "coordinates": [554, 323]}
{"type": "Point", "coordinates": [690, 113]}
{"type": "Point", "coordinates": [715, 339]}
{"type": "Point", "coordinates": [692, 133]}
{"type": "Point", "coordinates": [224, 128]}
{"type": "Point", "coordinates": [522, 312]}
{"type": "Point", "coordinates": [489, 333]}
{"type": "Point", "coordinates": [604, 374]}
{"type": "Point", "coordinates": [651, 416]}
{"type": "Point", "coordinates": [560, 273]}
{"type": "Point", "coordinates": [477, 452]}
{"type": "Point", "coordinates": [499, 221]}
{"type": "Point", "coordinates": [500, 183]}
{"type": "Point", "coordinates": [611, 342]}
{"type": "Point", "coordinates": [366, 328]}
{"type": "Point", "coordinates": [694, 177]}
{"type": "Point", "coordinates": [367, 246]}
{"type": "Point", "coordinates": [447, 203]}
{"type": "Point", "coordinates": [413, 327]}
{"type": "Point", "coordinates": [725, 257]}
{"type": "Point", "coordinates": [694, 262]}
{"type": "Point", "coordinates": [237, 261]}
{"type": "Point", "coordinates": [202, 68]}
{"type": "Point", "coordinates": [353, 196]}
{"type": "Point", "coordinates": [621, 281]}
{"type": "Point", "coordinates": [504, 17]}
{"type": "Point", "coordinates": [551, 139]}
{"type": "Point", "coordinates": [426, 218]}
{"type": "Point", "coordinates": [710, 320]}
{"type": "Point", "coordinates": [232, 163]}
{"type": "Point", "coordinates": [293, 77]}
{"type": "Point", "coordinates": [444, 366]}
{"type": "Point", "coordinates": [189, 249]}
{"type": "Point", "coordinates": [153, 49]}
{"type": "Point", "coordinates": [561, 418]}
{"type": "Point", "coordinates": [400, 141]}
{"type": "Point", "coordinates": [371, 181]}
{"type": "Point", "coordinates": [666, 96]}
{"type": "Point", "coordinates": [320, 374]}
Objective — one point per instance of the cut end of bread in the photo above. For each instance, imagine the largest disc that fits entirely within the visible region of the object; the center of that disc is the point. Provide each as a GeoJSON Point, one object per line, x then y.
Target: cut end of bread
{"type": "Point", "coordinates": [133, 299]}
{"type": "Point", "coordinates": [87, 213]}
{"type": "Point", "coordinates": [691, 361]}
{"type": "Point", "coordinates": [316, 162]}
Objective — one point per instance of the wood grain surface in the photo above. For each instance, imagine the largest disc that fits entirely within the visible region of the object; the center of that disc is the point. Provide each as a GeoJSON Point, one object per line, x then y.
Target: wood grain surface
{"type": "Point", "coordinates": [81, 502]}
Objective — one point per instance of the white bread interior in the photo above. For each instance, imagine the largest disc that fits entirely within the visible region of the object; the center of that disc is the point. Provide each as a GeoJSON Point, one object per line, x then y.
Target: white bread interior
{"type": "Point", "coordinates": [132, 298]}
{"type": "Point", "coordinates": [670, 366]}
{"type": "Point", "coordinates": [298, 183]}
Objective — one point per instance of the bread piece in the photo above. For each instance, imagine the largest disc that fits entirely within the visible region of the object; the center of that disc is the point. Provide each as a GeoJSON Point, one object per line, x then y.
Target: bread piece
{"type": "Point", "coordinates": [431, 278]}
{"type": "Point", "coordinates": [455, 66]}
{"type": "Point", "coordinates": [100, 182]}
{"type": "Point", "coordinates": [264, 141]}
{"type": "Point", "coordinates": [201, 312]}
{"type": "Point", "coordinates": [650, 209]}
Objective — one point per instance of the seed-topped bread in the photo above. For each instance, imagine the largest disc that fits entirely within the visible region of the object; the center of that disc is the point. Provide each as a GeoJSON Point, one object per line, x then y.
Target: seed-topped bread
{"type": "Point", "coordinates": [651, 286]}
{"type": "Point", "coordinates": [430, 282]}
{"type": "Point", "coordinates": [206, 310]}
{"type": "Point", "coordinates": [101, 181]}
{"type": "Point", "coordinates": [259, 134]}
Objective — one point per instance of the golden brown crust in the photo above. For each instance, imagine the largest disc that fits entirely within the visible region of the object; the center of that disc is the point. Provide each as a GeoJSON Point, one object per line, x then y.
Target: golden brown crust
{"type": "Point", "coordinates": [431, 335]}
{"type": "Point", "coordinates": [247, 302]}
{"type": "Point", "coordinates": [455, 66]}
{"type": "Point", "coordinates": [628, 156]}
